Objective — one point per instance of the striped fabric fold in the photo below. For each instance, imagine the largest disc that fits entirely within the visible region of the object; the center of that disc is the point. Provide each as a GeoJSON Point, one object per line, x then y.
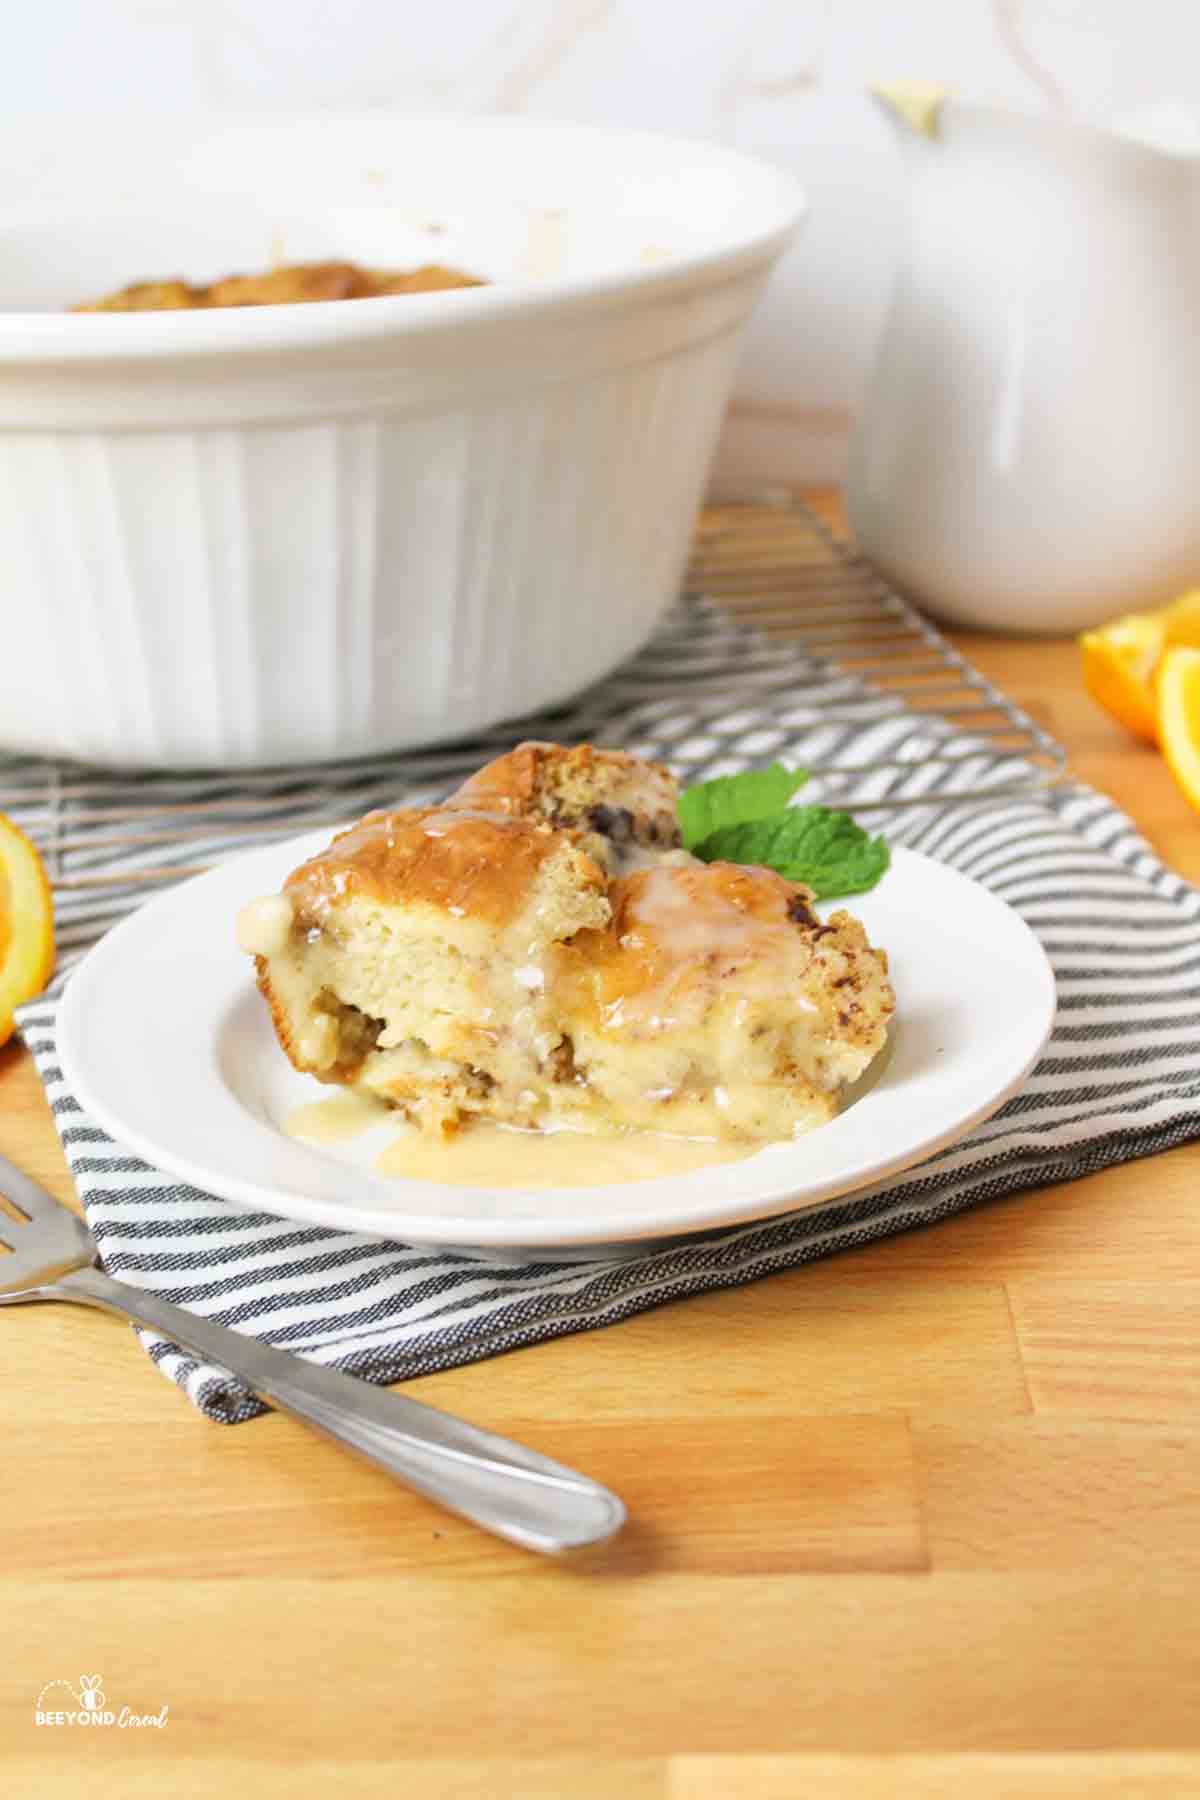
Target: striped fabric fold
{"type": "Point", "coordinates": [1119, 1079]}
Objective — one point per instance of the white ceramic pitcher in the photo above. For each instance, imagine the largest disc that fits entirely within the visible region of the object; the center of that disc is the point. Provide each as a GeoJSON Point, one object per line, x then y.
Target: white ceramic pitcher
{"type": "Point", "coordinates": [1029, 455]}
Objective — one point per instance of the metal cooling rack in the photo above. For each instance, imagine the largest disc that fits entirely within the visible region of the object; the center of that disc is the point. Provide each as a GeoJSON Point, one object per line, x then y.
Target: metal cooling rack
{"type": "Point", "coordinates": [770, 561]}
{"type": "Point", "coordinates": [765, 561]}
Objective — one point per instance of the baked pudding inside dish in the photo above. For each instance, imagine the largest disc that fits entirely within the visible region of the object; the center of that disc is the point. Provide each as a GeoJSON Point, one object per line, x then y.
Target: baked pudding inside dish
{"type": "Point", "coordinates": [539, 951]}
{"type": "Point", "coordinates": [290, 285]}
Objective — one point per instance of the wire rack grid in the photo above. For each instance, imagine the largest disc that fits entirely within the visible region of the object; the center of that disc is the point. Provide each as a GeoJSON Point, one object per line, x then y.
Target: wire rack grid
{"type": "Point", "coordinates": [773, 562]}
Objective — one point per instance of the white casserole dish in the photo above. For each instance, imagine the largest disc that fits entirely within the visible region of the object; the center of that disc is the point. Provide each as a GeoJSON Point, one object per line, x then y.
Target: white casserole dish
{"type": "Point", "coordinates": [280, 534]}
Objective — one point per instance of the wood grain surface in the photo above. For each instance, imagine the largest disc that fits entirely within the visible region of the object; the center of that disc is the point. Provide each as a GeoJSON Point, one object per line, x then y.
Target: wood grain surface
{"type": "Point", "coordinates": [922, 1520]}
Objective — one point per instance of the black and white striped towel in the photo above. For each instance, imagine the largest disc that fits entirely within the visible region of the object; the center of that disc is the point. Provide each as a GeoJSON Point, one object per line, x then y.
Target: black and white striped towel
{"type": "Point", "coordinates": [1120, 1078]}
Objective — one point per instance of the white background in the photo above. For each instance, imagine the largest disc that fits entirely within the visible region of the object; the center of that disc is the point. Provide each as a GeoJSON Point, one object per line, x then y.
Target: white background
{"type": "Point", "coordinates": [783, 78]}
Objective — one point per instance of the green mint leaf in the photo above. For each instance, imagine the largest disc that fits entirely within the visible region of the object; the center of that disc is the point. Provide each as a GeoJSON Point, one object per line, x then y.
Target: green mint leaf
{"type": "Point", "coordinates": [817, 845]}
{"type": "Point", "coordinates": [735, 800]}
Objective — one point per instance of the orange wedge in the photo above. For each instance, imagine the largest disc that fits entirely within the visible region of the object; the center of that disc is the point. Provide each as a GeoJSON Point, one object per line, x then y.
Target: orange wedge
{"type": "Point", "coordinates": [1119, 664]}
{"type": "Point", "coordinates": [26, 924]}
{"type": "Point", "coordinates": [1181, 620]}
{"type": "Point", "coordinates": [1179, 717]}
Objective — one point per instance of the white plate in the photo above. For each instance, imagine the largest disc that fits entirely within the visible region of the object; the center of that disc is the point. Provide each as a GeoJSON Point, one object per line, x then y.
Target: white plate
{"type": "Point", "coordinates": [166, 1042]}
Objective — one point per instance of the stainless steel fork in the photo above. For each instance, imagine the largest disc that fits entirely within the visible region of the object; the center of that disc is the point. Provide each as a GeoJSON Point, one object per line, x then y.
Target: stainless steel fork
{"type": "Point", "coordinates": [514, 1492]}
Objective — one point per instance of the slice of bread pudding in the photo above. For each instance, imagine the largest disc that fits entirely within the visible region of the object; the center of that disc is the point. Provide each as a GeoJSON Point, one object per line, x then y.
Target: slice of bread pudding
{"type": "Point", "coordinates": [538, 950]}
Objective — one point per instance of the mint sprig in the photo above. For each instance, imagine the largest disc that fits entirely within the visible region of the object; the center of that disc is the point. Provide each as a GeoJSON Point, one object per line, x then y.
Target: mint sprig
{"type": "Point", "coordinates": [817, 845]}
{"type": "Point", "coordinates": [735, 800]}
{"type": "Point", "coordinates": [746, 819]}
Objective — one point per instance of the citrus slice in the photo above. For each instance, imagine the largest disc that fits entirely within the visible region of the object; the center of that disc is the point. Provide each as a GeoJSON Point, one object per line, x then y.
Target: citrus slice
{"type": "Point", "coordinates": [1181, 620]}
{"type": "Point", "coordinates": [1179, 717]}
{"type": "Point", "coordinates": [1119, 664]}
{"type": "Point", "coordinates": [26, 924]}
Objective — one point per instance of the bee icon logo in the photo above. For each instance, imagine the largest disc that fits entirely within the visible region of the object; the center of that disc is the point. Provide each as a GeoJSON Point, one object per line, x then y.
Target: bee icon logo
{"type": "Point", "coordinates": [91, 1694]}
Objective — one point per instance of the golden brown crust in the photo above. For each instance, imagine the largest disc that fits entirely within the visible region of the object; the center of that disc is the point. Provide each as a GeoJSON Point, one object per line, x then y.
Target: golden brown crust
{"type": "Point", "coordinates": [508, 785]}
{"type": "Point", "coordinates": [280, 1017]}
{"type": "Point", "coordinates": [294, 284]}
{"type": "Point", "coordinates": [429, 279]}
{"type": "Point", "coordinates": [147, 296]}
{"type": "Point", "coordinates": [726, 902]}
{"type": "Point", "coordinates": [475, 866]}
{"type": "Point", "coordinates": [678, 934]}
{"type": "Point", "coordinates": [606, 791]}
{"type": "Point", "coordinates": [668, 927]}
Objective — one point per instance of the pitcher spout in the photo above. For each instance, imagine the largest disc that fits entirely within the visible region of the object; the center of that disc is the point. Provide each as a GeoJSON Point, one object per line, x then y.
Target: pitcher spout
{"type": "Point", "coordinates": [911, 106]}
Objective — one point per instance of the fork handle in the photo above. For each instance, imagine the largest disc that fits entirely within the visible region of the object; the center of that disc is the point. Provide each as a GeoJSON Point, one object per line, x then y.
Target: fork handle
{"type": "Point", "coordinates": [509, 1490]}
